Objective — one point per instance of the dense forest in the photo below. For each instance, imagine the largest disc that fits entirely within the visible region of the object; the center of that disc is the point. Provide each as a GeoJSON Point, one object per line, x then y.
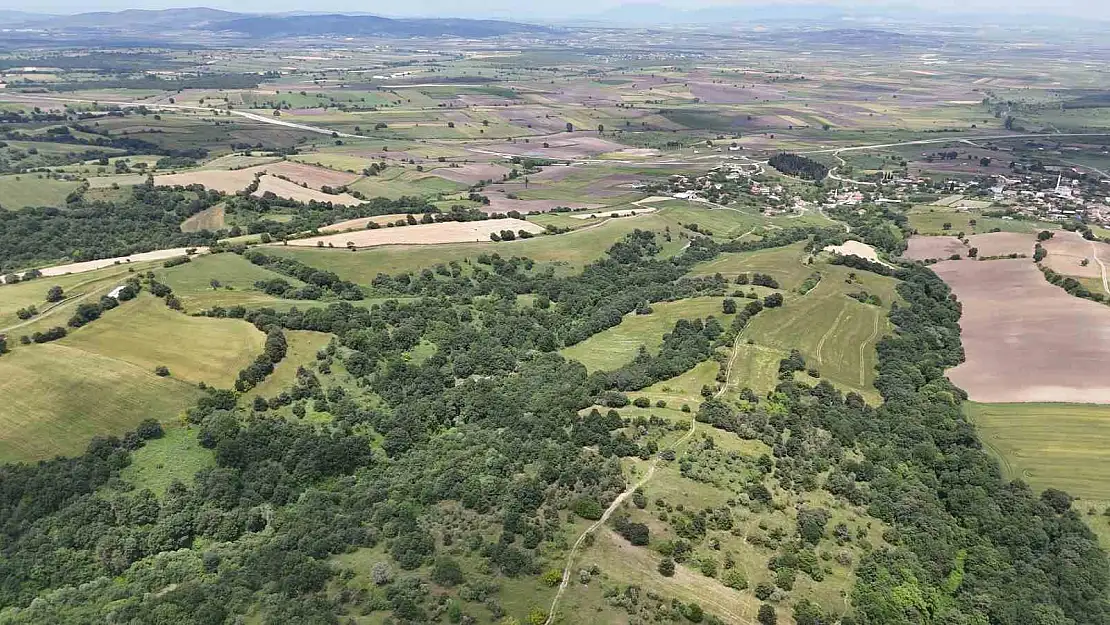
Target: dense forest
{"type": "Point", "coordinates": [800, 166]}
{"type": "Point", "coordinates": [476, 454]}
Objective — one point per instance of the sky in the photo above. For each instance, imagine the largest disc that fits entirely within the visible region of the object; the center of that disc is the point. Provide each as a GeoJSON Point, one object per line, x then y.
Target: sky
{"type": "Point", "coordinates": [535, 9]}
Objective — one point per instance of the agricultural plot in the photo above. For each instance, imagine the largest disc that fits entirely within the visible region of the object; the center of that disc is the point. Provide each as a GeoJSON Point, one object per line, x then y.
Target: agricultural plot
{"type": "Point", "coordinates": [396, 182]}
{"type": "Point", "coordinates": [291, 190]}
{"type": "Point", "coordinates": [618, 345]}
{"type": "Point", "coordinates": [931, 220]}
{"type": "Point", "coordinates": [1065, 446]}
{"type": "Point", "coordinates": [421, 234]}
{"type": "Point", "coordinates": [212, 218]}
{"type": "Point", "coordinates": [1022, 353]}
{"type": "Point", "coordinates": [566, 251]}
{"type": "Point", "coordinates": [1072, 255]}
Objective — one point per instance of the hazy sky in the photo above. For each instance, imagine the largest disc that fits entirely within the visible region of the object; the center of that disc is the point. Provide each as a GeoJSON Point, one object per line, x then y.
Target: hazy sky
{"type": "Point", "coordinates": [524, 9]}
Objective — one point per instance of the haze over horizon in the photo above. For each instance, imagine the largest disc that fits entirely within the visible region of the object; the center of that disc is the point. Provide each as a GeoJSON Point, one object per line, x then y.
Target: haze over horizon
{"type": "Point", "coordinates": [509, 9]}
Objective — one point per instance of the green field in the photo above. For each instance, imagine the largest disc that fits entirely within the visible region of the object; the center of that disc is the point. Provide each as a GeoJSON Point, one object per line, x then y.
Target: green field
{"type": "Point", "coordinates": [33, 190]}
{"type": "Point", "coordinates": [618, 345]}
{"type": "Point", "coordinates": [176, 456]}
{"type": "Point", "coordinates": [146, 333]}
{"type": "Point", "coordinates": [1065, 446]}
{"type": "Point", "coordinates": [58, 396]}
{"type": "Point", "coordinates": [785, 264]}
{"type": "Point", "coordinates": [192, 282]}
{"type": "Point", "coordinates": [836, 334]}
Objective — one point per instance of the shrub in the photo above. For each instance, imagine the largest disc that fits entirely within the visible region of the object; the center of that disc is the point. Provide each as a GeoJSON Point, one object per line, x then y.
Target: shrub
{"type": "Point", "coordinates": [666, 567]}
{"type": "Point", "coordinates": [162, 371]}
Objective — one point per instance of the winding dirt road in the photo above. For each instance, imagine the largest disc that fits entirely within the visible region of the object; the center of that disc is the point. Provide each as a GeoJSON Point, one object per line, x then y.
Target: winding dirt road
{"type": "Point", "coordinates": [553, 611]}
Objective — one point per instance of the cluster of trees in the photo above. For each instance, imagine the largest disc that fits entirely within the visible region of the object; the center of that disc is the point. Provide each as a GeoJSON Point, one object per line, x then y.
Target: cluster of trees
{"type": "Point", "coordinates": [800, 166]}
{"type": "Point", "coordinates": [1071, 285]}
{"type": "Point", "coordinates": [272, 353]}
{"type": "Point", "coordinates": [91, 229]}
{"type": "Point", "coordinates": [320, 279]}
{"type": "Point", "coordinates": [863, 264]}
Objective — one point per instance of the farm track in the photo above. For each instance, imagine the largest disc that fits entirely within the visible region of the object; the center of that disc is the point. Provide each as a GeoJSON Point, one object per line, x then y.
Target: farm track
{"type": "Point", "coordinates": [863, 347]}
{"type": "Point", "coordinates": [1102, 268]}
{"type": "Point", "coordinates": [828, 333]}
{"type": "Point", "coordinates": [565, 582]}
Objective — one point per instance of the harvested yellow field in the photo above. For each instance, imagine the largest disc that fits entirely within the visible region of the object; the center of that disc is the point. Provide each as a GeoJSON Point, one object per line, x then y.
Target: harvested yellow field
{"type": "Point", "coordinates": [361, 222]}
{"type": "Point", "coordinates": [293, 191]}
{"type": "Point", "coordinates": [422, 234]}
{"type": "Point", "coordinates": [214, 179]}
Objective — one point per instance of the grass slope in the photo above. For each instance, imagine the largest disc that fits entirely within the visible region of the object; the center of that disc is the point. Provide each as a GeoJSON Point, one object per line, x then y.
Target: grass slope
{"type": "Point", "coordinates": [303, 345]}
{"type": "Point", "coordinates": [146, 333]}
{"type": "Point", "coordinates": [29, 190]}
{"type": "Point", "coordinates": [57, 397]}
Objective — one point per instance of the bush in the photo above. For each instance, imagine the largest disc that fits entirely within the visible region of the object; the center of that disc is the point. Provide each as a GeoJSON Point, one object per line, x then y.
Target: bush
{"type": "Point", "coordinates": [641, 402]}
{"type": "Point", "coordinates": [162, 371]}
{"type": "Point", "coordinates": [149, 429]}
{"type": "Point", "coordinates": [666, 567]}
{"type": "Point", "coordinates": [734, 578]}
{"type": "Point", "coordinates": [588, 508]}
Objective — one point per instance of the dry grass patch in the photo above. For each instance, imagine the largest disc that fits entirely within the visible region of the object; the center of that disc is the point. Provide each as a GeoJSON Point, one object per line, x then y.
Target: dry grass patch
{"type": "Point", "coordinates": [211, 218]}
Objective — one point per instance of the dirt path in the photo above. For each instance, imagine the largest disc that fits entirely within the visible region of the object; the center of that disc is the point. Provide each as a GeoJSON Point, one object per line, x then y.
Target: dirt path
{"type": "Point", "coordinates": [551, 613]}
{"type": "Point", "coordinates": [1102, 267]}
{"type": "Point", "coordinates": [54, 308]}
{"type": "Point", "coordinates": [878, 146]}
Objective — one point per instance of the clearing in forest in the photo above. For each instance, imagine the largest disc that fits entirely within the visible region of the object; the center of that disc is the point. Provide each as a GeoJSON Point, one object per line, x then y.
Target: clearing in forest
{"type": "Point", "coordinates": [618, 345]}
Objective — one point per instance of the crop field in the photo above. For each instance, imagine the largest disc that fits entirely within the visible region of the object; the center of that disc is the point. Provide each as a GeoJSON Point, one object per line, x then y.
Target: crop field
{"type": "Point", "coordinates": [291, 190]}
{"type": "Point", "coordinates": [25, 190]}
{"type": "Point", "coordinates": [1072, 255]}
{"type": "Point", "coordinates": [567, 251]}
{"type": "Point", "coordinates": [396, 182]}
{"type": "Point", "coordinates": [145, 333]}
{"type": "Point", "coordinates": [1019, 353]}
{"type": "Point", "coordinates": [618, 345]}
{"type": "Point", "coordinates": [1065, 446]}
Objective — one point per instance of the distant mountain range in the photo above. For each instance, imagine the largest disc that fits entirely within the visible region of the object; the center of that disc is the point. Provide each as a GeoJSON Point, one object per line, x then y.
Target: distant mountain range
{"type": "Point", "coordinates": [154, 22]}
